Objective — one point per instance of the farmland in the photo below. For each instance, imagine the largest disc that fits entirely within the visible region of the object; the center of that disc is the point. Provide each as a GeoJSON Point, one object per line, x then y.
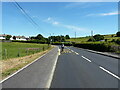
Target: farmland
{"type": "Point", "coordinates": [16, 55]}
{"type": "Point", "coordinates": [15, 49]}
{"type": "Point", "coordinates": [85, 39]}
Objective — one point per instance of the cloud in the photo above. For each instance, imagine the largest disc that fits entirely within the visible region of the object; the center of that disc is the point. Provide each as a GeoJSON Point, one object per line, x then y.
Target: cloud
{"type": "Point", "coordinates": [109, 14]}
{"type": "Point", "coordinates": [55, 23]}
{"type": "Point", "coordinates": [104, 14]}
{"type": "Point", "coordinates": [51, 21]}
{"type": "Point", "coordinates": [75, 28]}
{"type": "Point", "coordinates": [71, 27]}
{"type": "Point", "coordinates": [49, 18]}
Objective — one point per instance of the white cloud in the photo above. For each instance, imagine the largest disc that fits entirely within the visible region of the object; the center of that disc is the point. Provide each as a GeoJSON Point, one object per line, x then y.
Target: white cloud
{"type": "Point", "coordinates": [71, 27]}
{"type": "Point", "coordinates": [49, 18]}
{"type": "Point", "coordinates": [75, 28]}
{"type": "Point", "coordinates": [51, 21]}
{"type": "Point", "coordinates": [109, 14]}
{"type": "Point", "coordinates": [55, 23]}
{"type": "Point", "coordinates": [104, 14]}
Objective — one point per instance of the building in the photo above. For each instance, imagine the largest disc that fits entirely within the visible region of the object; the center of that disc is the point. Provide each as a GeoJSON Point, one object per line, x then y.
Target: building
{"type": "Point", "coordinates": [20, 38]}
{"type": "Point", "coordinates": [2, 36]}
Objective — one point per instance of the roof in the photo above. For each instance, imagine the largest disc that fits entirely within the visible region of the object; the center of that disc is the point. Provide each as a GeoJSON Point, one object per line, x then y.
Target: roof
{"type": "Point", "coordinates": [20, 37]}
{"type": "Point", "coordinates": [3, 35]}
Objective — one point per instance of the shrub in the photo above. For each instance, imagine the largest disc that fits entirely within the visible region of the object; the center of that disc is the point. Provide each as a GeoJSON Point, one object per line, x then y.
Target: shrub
{"type": "Point", "coordinates": [118, 34]}
{"type": "Point", "coordinates": [98, 37]}
{"type": "Point", "coordinates": [8, 37]}
{"type": "Point", "coordinates": [95, 46]}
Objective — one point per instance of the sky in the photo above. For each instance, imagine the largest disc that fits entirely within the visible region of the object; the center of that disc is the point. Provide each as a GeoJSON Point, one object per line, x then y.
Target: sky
{"type": "Point", "coordinates": [60, 18]}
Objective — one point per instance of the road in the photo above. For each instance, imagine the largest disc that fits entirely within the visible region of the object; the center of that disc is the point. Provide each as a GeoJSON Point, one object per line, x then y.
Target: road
{"type": "Point", "coordinates": [75, 68]}
{"type": "Point", "coordinates": [37, 75]}
{"type": "Point", "coordinates": [78, 68]}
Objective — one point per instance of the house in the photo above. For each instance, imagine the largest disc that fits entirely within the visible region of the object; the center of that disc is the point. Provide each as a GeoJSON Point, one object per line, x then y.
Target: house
{"type": "Point", "coordinates": [2, 36]}
{"type": "Point", "coordinates": [20, 38]}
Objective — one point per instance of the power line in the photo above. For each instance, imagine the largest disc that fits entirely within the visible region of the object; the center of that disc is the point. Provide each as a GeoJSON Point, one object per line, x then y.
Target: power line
{"type": "Point", "coordinates": [26, 14]}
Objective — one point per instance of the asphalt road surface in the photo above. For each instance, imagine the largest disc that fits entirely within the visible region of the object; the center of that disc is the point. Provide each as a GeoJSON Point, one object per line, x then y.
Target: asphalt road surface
{"type": "Point", "coordinates": [78, 68]}
{"type": "Point", "coordinates": [37, 75]}
{"type": "Point", "coordinates": [75, 68]}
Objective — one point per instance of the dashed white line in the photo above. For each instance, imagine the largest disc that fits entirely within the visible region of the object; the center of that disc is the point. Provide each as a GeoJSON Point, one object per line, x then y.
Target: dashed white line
{"type": "Point", "coordinates": [86, 59]}
{"type": "Point", "coordinates": [72, 50]}
{"type": "Point", "coordinates": [76, 53]}
{"type": "Point", "coordinates": [109, 72]}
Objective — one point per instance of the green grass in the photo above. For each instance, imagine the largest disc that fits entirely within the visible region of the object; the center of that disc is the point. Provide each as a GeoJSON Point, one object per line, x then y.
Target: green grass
{"type": "Point", "coordinates": [16, 49]}
{"type": "Point", "coordinates": [85, 39]}
{"type": "Point", "coordinates": [78, 40]}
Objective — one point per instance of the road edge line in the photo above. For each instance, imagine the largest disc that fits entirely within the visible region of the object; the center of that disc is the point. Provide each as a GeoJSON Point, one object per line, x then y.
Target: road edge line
{"type": "Point", "coordinates": [53, 70]}
{"type": "Point", "coordinates": [24, 67]}
{"type": "Point", "coordinates": [101, 53]}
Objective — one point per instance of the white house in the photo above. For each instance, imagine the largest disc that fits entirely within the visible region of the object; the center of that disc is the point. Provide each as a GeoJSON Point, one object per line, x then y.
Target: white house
{"type": "Point", "coordinates": [2, 36]}
{"type": "Point", "coordinates": [21, 38]}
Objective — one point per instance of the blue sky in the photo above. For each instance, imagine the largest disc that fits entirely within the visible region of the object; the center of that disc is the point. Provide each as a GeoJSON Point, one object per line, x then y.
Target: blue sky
{"type": "Point", "coordinates": [60, 18]}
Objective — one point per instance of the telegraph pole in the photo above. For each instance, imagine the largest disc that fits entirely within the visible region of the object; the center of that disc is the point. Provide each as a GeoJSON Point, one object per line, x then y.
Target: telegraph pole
{"type": "Point", "coordinates": [91, 33]}
{"type": "Point", "coordinates": [50, 38]}
{"type": "Point", "coordinates": [75, 36]}
{"type": "Point", "coordinates": [53, 38]}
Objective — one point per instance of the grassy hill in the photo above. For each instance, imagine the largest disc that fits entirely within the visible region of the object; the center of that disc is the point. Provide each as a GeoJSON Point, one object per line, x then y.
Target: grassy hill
{"type": "Point", "coordinates": [85, 39]}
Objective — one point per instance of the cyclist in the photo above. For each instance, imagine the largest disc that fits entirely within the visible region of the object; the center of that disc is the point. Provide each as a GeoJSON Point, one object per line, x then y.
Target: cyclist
{"type": "Point", "coordinates": [62, 47]}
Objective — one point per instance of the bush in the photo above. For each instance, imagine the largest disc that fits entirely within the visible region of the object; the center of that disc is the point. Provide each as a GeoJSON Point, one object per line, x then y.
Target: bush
{"type": "Point", "coordinates": [95, 46]}
{"type": "Point", "coordinates": [8, 37]}
{"type": "Point", "coordinates": [98, 37]}
{"type": "Point", "coordinates": [118, 34]}
{"type": "Point", "coordinates": [118, 41]}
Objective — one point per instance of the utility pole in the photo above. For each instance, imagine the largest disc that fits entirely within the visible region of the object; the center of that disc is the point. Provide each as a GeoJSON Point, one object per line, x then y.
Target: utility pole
{"type": "Point", "coordinates": [75, 36]}
{"type": "Point", "coordinates": [50, 38]}
{"type": "Point", "coordinates": [91, 33]}
{"type": "Point", "coordinates": [53, 38]}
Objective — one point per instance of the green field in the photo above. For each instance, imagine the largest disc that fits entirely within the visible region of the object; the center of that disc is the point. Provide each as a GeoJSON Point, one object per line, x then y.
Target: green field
{"type": "Point", "coordinates": [15, 49]}
{"type": "Point", "coordinates": [78, 40]}
{"type": "Point", "coordinates": [85, 39]}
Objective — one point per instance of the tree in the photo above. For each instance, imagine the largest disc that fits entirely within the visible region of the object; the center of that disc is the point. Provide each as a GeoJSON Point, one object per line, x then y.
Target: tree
{"type": "Point", "coordinates": [118, 34]}
{"type": "Point", "coordinates": [8, 37]}
{"type": "Point", "coordinates": [39, 37]}
{"type": "Point", "coordinates": [14, 37]}
{"type": "Point", "coordinates": [67, 37]}
{"type": "Point", "coordinates": [98, 37]}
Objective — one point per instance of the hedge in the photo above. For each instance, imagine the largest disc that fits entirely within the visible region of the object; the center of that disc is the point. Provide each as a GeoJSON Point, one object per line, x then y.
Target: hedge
{"type": "Point", "coordinates": [103, 47]}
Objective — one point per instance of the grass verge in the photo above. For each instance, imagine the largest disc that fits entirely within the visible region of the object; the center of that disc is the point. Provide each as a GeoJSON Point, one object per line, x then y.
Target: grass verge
{"type": "Point", "coordinates": [10, 66]}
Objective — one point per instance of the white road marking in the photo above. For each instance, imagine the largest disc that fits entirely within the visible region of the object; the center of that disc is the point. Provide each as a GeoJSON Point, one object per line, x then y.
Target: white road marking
{"type": "Point", "coordinates": [58, 51]}
{"type": "Point", "coordinates": [72, 50]}
{"type": "Point", "coordinates": [52, 73]}
{"type": "Point", "coordinates": [76, 53]}
{"type": "Point", "coordinates": [109, 72]}
{"type": "Point", "coordinates": [86, 59]}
